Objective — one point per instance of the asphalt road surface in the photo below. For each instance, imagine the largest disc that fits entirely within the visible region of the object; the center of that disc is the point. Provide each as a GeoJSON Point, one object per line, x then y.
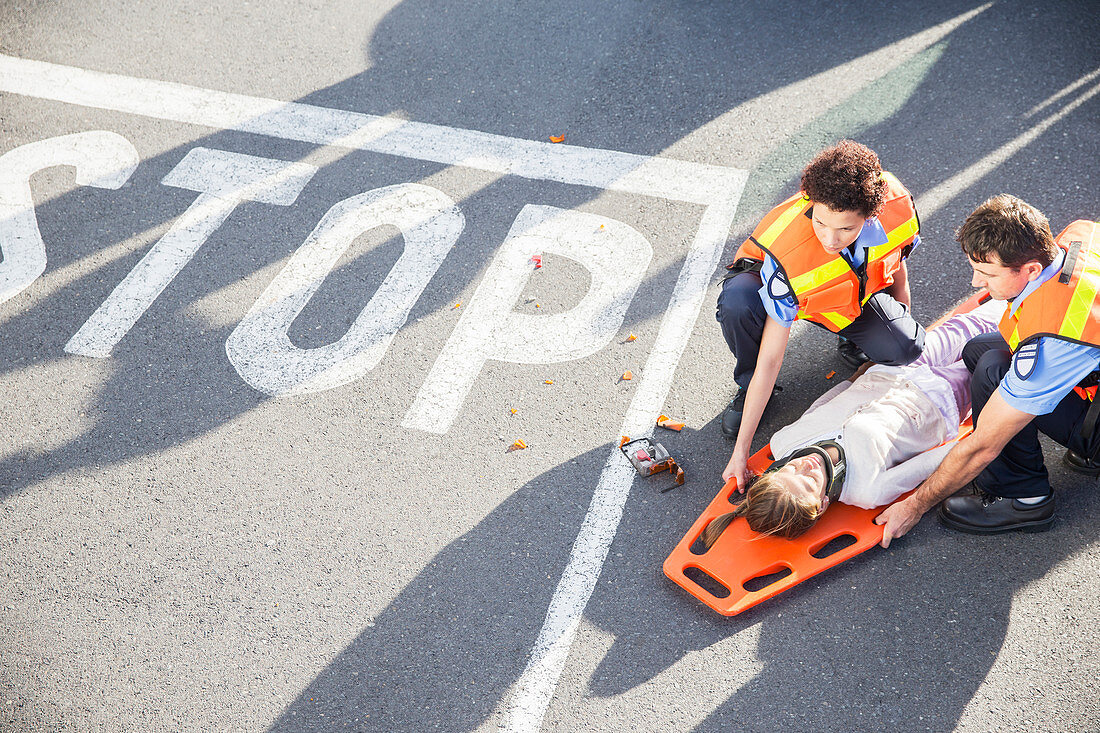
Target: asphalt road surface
{"type": "Point", "coordinates": [282, 282]}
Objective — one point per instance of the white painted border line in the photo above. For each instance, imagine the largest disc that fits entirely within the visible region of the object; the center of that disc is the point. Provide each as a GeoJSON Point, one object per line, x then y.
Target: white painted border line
{"type": "Point", "coordinates": [531, 695]}
{"type": "Point", "coordinates": [661, 177]}
{"type": "Point", "coordinates": [719, 188]}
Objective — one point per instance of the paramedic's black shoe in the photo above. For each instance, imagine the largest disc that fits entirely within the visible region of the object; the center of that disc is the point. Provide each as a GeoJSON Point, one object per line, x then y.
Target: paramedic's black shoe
{"type": "Point", "coordinates": [731, 416]}
{"type": "Point", "coordinates": [852, 355]}
{"type": "Point", "coordinates": [1081, 464]}
{"type": "Point", "coordinates": [980, 512]}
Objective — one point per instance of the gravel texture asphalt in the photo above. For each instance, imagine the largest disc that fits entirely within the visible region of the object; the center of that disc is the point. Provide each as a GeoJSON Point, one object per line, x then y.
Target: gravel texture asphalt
{"type": "Point", "coordinates": [182, 551]}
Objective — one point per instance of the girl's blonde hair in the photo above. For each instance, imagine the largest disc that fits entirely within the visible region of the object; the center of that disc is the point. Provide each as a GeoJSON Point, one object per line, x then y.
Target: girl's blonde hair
{"type": "Point", "coordinates": [769, 509]}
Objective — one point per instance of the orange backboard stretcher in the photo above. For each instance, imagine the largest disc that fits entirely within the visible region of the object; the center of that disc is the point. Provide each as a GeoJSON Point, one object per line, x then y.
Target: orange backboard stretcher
{"type": "Point", "coordinates": [744, 568]}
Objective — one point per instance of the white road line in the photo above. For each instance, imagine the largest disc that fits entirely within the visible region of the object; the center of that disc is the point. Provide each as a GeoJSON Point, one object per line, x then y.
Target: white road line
{"type": "Point", "coordinates": [660, 177]}
{"type": "Point", "coordinates": [533, 691]}
{"type": "Point", "coordinates": [716, 187]}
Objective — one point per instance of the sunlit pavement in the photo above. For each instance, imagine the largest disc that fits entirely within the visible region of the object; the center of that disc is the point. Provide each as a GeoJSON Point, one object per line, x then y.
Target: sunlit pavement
{"type": "Point", "coordinates": [281, 286]}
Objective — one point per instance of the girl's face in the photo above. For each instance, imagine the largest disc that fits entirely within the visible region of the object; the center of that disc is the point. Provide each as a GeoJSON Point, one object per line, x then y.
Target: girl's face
{"type": "Point", "coordinates": [806, 477]}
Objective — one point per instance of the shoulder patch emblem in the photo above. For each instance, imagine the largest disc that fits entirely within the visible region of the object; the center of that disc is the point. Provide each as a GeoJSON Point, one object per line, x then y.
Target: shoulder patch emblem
{"type": "Point", "coordinates": [778, 287]}
{"type": "Point", "coordinates": [1025, 359]}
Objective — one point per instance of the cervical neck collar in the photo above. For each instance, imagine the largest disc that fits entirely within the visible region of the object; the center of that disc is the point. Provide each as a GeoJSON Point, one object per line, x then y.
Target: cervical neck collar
{"type": "Point", "coordinates": [834, 472]}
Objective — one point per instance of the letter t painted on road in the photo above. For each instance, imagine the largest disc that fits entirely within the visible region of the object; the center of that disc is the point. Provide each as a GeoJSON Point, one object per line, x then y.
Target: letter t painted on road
{"type": "Point", "coordinates": [223, 180]}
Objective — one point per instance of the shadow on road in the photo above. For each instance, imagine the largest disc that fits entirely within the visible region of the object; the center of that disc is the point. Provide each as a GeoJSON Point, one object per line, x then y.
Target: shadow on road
{"type": "Point", "coordinates": [625, 78]}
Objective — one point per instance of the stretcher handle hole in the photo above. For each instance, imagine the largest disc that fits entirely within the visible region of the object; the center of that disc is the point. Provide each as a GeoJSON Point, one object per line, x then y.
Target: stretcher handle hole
{"type": "Point", "coordinates": [735, 495]}
{"type": "Point", "coordinates": [760, 582]}
{"type": "Point", "coordinates": [697, 547]}
{"type": "Point", "coordinates": [706, 581]}
{"type": "Point", "coordinates": [834, 545]}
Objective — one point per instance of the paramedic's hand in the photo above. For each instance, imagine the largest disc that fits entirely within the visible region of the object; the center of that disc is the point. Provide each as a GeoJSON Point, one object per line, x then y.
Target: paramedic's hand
{"type": "Point", "coordinates": [738, 467]}
{"type": "Point", "coordinates": [899, 518]}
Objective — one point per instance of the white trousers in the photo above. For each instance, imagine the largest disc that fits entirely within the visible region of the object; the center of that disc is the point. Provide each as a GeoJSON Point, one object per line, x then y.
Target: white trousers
{"type": "Point", "coordinates": [895, 422]}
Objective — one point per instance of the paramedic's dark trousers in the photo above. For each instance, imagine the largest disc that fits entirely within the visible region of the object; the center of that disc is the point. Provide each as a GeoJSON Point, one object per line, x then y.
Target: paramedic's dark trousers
{"type": "Point", "coordinates": [884, 330]}
{"type": "Point", "coordinates": [1019, 470]}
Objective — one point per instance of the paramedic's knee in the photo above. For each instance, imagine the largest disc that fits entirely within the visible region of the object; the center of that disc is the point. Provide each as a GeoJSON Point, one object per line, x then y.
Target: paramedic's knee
{"type": "Point", "coordinates": [894, 337]}
{"type": "Point", "coordinates": [980, 345]}
{"type": "Point", "coordinates": [740, 311]}
{"type": "Point", "coordinates": [739, 294]}
{"type": "Point", "coordinates": [991, 366]}
{"type": "Point", "coordinates": [907, 349]}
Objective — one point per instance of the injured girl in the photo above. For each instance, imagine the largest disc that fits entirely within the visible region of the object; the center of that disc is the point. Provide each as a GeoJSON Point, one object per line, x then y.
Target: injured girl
{"type": "Point", "coordinates": [868, 441]}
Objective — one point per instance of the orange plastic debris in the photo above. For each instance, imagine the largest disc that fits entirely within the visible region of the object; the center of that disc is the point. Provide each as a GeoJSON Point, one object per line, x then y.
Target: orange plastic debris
{"type": "Point", "coordinates": [664, 421]}
{"type": "Point", "coordinates": [631, 337]}
{"type": "Point", "coordinates": [513, 411]}
{"type": "Point", "coordinates": [627, 376]}
{"type": "Point", "coordinates": [557, 138]}
{"type": "Point", "coordinates": [624, 441]}
{"type": "Point", "coordinates": [548, 381]}
{"type": "Point", "coordinates": [458, 305]}
{"type": "Point", "coordinates": [744, 568]}
{"type": "Point", "coordinates": [518, 445]}
{"type": "Point", "coordinates": [830, 375]}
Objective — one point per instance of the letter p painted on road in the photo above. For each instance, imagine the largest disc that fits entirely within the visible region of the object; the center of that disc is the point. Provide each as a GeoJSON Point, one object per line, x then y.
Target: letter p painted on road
{"type": "Point", "coordinates": [616, 256]}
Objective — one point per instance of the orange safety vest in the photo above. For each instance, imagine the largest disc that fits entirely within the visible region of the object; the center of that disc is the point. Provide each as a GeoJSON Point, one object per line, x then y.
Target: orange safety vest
{"type": "Point", "coordinates": [829, 292]}
{"type": "Point", "coordinates": [1066, 307]}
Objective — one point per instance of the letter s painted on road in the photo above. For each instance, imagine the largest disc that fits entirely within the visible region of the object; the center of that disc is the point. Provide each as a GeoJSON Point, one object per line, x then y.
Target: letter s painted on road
{"type": "Point", "coordinates": [101, 159]}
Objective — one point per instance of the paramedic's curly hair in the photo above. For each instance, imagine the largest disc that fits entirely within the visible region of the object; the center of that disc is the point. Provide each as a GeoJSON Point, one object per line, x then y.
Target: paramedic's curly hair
{"type": "Point", "coordinates": [846, 177]}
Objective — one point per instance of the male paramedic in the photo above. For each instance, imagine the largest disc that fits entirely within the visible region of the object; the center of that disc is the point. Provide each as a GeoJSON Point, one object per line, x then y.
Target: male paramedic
{"type": "Point", "coordinates": [833, 254]}
{"type": "Point", "coordinates": [1038, 374]}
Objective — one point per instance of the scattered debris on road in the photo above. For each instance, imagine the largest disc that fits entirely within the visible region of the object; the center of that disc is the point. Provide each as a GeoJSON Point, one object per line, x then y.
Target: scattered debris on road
{"type": "Point", "coordinates": [664, 421]}
{"type": "Point", "coordinates": [649, 458]}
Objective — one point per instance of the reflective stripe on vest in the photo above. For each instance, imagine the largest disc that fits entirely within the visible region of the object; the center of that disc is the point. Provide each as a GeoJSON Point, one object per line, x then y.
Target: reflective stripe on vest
{"type": "Point", "coordinates": [820, 275]}
{"type": "Point", "coordinates": [832, 317]}
{"type": "Point", "coordinates": [903, 231]}
{"type": "Point", "coordinates": [782, 222]}
{"type": "Point", "coordinates": [1080, 305]}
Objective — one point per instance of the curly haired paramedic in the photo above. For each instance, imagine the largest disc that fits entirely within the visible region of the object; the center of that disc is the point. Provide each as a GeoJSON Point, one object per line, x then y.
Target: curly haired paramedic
{"type": "Point", "coordinates": [833, 254]}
